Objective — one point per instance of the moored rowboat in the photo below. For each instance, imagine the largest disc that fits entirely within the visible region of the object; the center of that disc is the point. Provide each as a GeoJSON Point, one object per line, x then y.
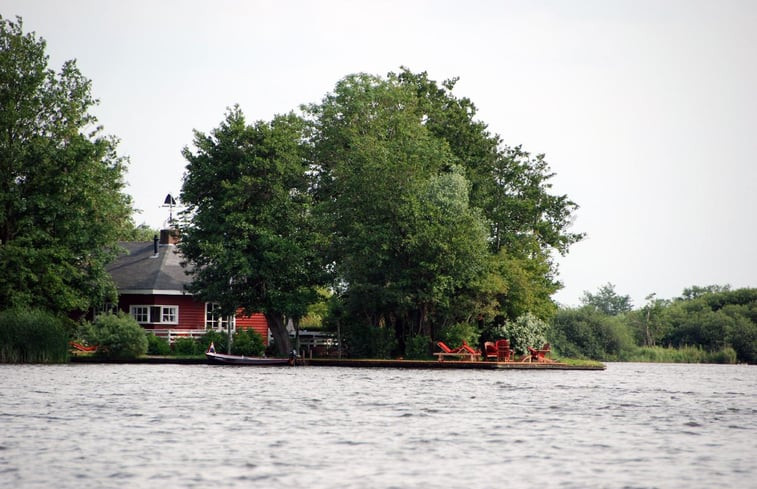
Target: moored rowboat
{"type": "Point", "coordinates": [220, 358]}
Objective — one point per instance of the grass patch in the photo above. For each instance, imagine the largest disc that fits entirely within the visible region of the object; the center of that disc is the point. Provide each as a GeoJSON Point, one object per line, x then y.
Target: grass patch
{"type": "Point", "coordinates": [579, 362]}
{"type": "Point", "coordinates": [32, 336]}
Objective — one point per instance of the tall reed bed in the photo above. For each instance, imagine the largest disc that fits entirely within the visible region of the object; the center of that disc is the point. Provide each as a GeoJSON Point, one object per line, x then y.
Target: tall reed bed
{"type": "Point", "coordinates": [685, 354]}
{"type": "Point", "coordinates": [32, 336]}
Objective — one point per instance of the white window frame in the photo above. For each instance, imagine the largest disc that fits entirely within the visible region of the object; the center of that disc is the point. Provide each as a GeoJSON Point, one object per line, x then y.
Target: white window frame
{"type": "Point", "coordinates": [154, 314]}
{"type": "Point", "coordinates": [212, 319]}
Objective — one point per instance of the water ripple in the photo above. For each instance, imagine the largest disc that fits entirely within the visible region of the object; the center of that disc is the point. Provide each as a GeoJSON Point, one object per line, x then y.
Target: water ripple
{"type": "Point", "coordinates": [633, 425]}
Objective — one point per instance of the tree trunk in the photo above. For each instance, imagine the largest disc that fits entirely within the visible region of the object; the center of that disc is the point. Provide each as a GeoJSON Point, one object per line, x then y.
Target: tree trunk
{"type": "Point", "coordinates": [280, 334]}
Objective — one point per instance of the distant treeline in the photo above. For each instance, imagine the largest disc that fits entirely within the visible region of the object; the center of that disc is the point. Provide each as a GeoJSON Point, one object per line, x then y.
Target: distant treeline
{"type": "Point", "coordinates": [705, 324]}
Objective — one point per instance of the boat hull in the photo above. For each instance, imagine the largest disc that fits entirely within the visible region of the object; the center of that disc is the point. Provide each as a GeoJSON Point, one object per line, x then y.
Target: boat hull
{"type": "Point", "coordinates": [221, 359]}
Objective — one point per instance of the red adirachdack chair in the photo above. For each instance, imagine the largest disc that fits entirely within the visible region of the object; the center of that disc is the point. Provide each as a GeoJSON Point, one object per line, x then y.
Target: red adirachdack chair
{"type": "Point", "coordinates": [539, 355]}
{"type": "Point", "coordinates": [504, 352]}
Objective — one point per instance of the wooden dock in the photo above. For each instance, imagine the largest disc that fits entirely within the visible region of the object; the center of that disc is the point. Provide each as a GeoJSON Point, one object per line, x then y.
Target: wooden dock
{"type": "Point", "coordinates": [434, 364]}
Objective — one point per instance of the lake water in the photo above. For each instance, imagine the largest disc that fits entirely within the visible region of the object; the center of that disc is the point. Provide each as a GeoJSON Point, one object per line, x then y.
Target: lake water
{"type": "Point", "coordinates": [175, 426]}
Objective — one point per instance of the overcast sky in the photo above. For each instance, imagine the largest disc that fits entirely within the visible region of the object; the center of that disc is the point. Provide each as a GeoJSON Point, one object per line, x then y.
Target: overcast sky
{"type": "Point", "coordinates": [646, 110]}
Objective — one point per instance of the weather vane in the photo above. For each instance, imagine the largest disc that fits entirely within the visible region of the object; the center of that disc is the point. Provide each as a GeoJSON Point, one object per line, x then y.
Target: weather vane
{"type": "Point", "coordinates": [169, 202]}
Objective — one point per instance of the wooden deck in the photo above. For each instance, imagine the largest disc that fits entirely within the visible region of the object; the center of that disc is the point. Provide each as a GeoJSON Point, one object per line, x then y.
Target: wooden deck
{"type": "Point", "coordinates": [433, 364]}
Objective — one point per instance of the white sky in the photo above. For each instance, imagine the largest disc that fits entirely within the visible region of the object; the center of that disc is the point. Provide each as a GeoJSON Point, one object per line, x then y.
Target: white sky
{"type": "Point", "coordinates": [646, 110]}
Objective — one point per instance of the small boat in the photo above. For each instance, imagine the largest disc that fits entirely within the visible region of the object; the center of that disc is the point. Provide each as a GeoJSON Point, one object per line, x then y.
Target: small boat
{"type": "Point", "coordinates": [223, 359]}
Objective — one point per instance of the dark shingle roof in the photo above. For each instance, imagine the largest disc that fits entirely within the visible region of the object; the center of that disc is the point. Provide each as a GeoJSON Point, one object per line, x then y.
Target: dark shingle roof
{"type": "Point", "coordinates": [139, 271]}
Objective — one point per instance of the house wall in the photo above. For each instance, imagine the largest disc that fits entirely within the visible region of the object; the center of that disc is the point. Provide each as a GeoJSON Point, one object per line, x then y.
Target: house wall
{"type": "Point", "coordinates": [257, 322]}
{"type": "Point", "coordinates": [191, 313]}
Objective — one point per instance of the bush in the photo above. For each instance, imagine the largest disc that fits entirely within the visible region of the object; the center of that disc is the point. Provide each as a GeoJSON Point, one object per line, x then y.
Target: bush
{"type": "Point", "coordinates": [527, 330]}
{"type": "Point", "coordinates": [118, 336]}
{"type": "Point", "coordinates": [455, 334]}
{"type": "Point", "coordinates": [32, 336]}
{"type": "Point", "coordinates": [588, 333]}
{"type": "Point", "coordinates": [417, 348]}
{"type": "Point", "coordinates": [363, 340]}
{"type": "Point", "coordinates": [157, 345]}
{"type": "Point", "coordinates": [219, 340]}
{"type": "Point", "coordinates": [726, 355]}
{"type": "Point", "coordinates": [247, 342]}
{"type": "Point", "coordinates": [186, 346]}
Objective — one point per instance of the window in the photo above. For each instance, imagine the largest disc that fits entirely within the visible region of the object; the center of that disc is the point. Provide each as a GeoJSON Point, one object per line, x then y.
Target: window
{"type": "Point", "coordinates": [213, 319]}
{"type": "Point", "coordinates": [140, 313]}
{"type": "Point", "coordinates": [155, 314]}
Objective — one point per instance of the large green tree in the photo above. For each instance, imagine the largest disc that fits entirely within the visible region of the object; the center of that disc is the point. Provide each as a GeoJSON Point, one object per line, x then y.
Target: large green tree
{"type": "Point", "coordinates": [62, 205]}
{"type": "Point", "coordinates": [250, 243]}
{"type": "Point", "coordinates": [406, 240]}
{"type": "Point", "coordinates": [512, 189]}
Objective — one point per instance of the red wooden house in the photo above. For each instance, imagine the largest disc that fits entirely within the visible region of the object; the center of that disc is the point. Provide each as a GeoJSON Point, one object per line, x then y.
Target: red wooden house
{"type": "Point", "coordinates": [151, 287]}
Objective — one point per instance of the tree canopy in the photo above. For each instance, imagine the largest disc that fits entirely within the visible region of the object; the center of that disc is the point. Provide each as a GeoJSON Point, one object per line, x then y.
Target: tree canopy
{"type": "Point", "coordinates": [421, 218]}
{"type": "Point", "coordinates": [62, 205]}
{"type": "Point", "coordinates": [712, 323]}
{"type": "Point", "coordinates": [249, 243]}
{"type": "Point", "coordinates": [607, 301]}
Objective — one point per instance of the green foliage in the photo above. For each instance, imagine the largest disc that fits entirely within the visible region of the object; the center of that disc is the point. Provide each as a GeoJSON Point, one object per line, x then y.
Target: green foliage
{"type": "Point", "coordinates": [118, 337]}
{"type": "Point", "coordinates": [219, 340]}
{"type": "Point", "coordinates": [62, 206]}
{"type": "Point", "coordinates": [363, 340]}
{"type": "Point", "coordinates": [454, 334]}
{"type": "Point", "coordinates": [421, 216]}
{"type": "Point", "coordinates": [522, 285]}
{"type": "Point", "coordinates": [527, 330]}
{"type": "Point", "coordinates": [417, 195]}
{"type": "Point", "coordinates": [247, 342]}
{"type": "Point", "coordinates": [143, 232]}
{"type": "Point", "coordinates": [607, 301]}
{"type": "Point", "coordinates": [250, 239]}
{"type": "Point", "coordinates": [588, 333]}
{"type": "Point", "coordinates": [686, 354]}
{"type": "Point", "coordinates": [32, 336]}
{"type": "Point", "coordinates": [707, 324]}
{"type": "Point", "coordinates": [418, 348]}
{"type": "Point", "coordinates": [186, 346]}
{"type": "Point", "coordinates": [713, 318]}
{"type": "Point", "coordinates": [157, 345]}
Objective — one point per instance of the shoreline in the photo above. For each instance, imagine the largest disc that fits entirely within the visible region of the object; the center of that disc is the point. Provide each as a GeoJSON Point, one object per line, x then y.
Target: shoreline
{"type": "Point", "coordinates": [359, 363]}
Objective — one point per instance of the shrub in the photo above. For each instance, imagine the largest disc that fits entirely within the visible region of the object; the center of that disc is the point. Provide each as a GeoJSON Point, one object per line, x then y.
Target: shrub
{"type": "Point", "coordinates": [364, 340]}
{"type": "Point", "coordinates": [417, 347]}
{"type": "Point", "coordinates": [32, 336]}
{"type": "Point", "coordinates": [157, 345]}
{"type": "Point", "coordinates": [247, 342]}
{"type": "Point", "coordinates": [588, 333]}
{"type": "Point", "coordinates": [726, 355]}
{"type": "Point", "coordinates": [527, 330]}
{"type": "Point", "coordinates": [118, 336]}
{"type": "Point", "coordinates": [455, 334]}
{"type": "Point", "coordinates": [219, 340]}
{"type": "Point", "coordinates": [186, 346]}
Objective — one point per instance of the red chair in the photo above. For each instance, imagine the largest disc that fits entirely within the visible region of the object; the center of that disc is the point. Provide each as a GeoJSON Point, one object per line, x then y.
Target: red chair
{"type": "Point", "coordinates": [504, 352]}
{"type": "Point", "coordinates": [474, 354]}
{"type": "Point", "coordinates": [447, 349]}
{"type": "Point", "coordinates": [490, 350]}
{"type": "Point", "coordinates": [539, 355]}
{"type": "Point", "coordinates": [464, 351]}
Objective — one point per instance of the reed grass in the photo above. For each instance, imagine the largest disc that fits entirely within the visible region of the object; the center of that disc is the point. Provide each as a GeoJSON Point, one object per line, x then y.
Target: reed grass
{"type": "Point", "coordinates": [32, 336]}
{"type": "Point", "coordinates": [685, 354]}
